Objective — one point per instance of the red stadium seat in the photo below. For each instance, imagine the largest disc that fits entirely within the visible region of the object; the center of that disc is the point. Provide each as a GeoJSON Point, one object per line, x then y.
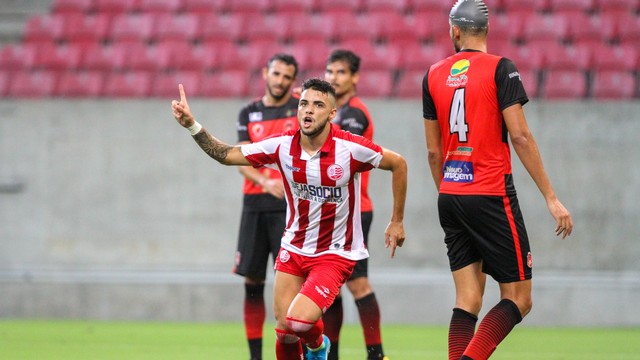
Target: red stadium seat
{"type": "Point", "coordinates": [5, 81]}
{"type": "Point", "coordinates": [220, 29]}
{"type": "Point", "coordinates": [196, 58]}
{"type": "Point", "coordinates": [617, 8]}
{"type": "Point", "coordinates": [591, 30]}
{"type": "Point", "coordinates": [249, 6]}
{"type": "Point", "coordinates": [314, 62]}
{"type": "Point", "coordinates": [571, 7]}
{"type": "Point", "coordinates": [128, 85]}
{"type": "Point", "coordinates": [81, 7]}
{"type": "Point", "coordinates": [166, 84]}
{"type": "Point", "coordinates": [160, 6]}
{"type": "Point", "coordinates": [115, 7]}
{"type": "Point", "coordinates": [58, 57]}
{"type": "Point", "coordinates": [81, 84]}
{"type": "Point", "coordinates": [178, 28]}
{"type": "Point", "coordinates": [379, 57]}
{"type": "Point", "coordinates": [386, 7]}
{"type": "Point", "coordinates": [432, 28]}
{"type": "Point", "coordinates": [293, 7]}
{"type": "Point", "coordinates": [44, 28]}
{"type": "Point", "coordinates": [505, 29]}
{"type": "Point", "coordinates": [524, 7]}
{"type": "Point", "coordinates": [270, 29]}
{"type": "Point", "coordinates": [149, 58]}
{"type": "Point", "coordinates": [337, 7]}
{"type": "Point", "coordinates": [313, 29]}
{"type": "Point", "coordinates": [430, 8]}
{"type": "Point", "coordinates": [33, 84]}
{"type": "Point", "coordinates": [400, 30]}
{"type": "Point", "coordinates": [105, 58]}
{"type": "Point", "coordinates": [18, 56]}
{"type": "Point", "coordinates": [410, 84]}
{"type": "Point", "coordinates": [86, 29]}
{"type": "Point", "coordinates": [629, 30]}
{"type": "Point", "coordinates": [247, 58]}
{"type": "Point", "coordinates": [204, 7]}
{"type": "Point", "coordinates": [524, 57]}
{"type": "Point", "coordinates": [131, 28]}
{"type": "Point", "coordinates": [376, 83]}
{"type": "Point", "coordinates": [562, 57]}
{"type": "Point", "coordinates": [530, 82]}
{"type": "Point", "coordinates": [545, 30]}
{"type": "Point", "coordinates": [562, 84]}
{"type": "Point", "coordinates": [619, 58]}
{"type": "Point", "coordinates": [351, 27]}
{"type": "Point", "coordinates": [611, 84]}
{"type": "Point", "coordinates": [420, 57]}
{"type": "Point", "coordinates": [227, 84]}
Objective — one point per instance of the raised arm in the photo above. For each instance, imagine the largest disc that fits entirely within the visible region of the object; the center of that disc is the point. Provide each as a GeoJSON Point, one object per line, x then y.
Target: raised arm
{"type": "Point", "coordinates": [526, 148]}
{"type": "Point", "coordinates": [394, 162]}
{"type": "Point", "coordinates": [218, 150]}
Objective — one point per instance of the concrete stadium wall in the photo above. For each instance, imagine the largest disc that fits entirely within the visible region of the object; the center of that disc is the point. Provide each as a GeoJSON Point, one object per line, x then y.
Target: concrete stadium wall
{"type": "Point", "coordinates": [108, 210]}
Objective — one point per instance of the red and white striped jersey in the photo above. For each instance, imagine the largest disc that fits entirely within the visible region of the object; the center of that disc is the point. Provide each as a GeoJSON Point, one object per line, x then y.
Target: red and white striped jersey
{"type": "Point", "coordinates": [322, 190]}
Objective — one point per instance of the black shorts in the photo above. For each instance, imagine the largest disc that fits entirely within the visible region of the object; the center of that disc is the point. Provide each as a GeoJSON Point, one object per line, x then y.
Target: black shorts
{"type": "Point", "coordinates": [487, 228]}
{"type": "Point", "coordinates": [260, 235]}
{"type": "Point", "coordinates": [362, 266]}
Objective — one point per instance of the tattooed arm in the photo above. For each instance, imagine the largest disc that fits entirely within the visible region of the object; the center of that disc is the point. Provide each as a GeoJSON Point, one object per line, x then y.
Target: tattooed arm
{"type": "Point", "coordinates": [218, 150]}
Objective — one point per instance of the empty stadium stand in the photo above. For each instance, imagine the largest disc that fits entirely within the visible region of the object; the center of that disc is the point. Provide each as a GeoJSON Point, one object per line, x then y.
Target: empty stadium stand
{"type": "Point", "coordinates": [563, 48]}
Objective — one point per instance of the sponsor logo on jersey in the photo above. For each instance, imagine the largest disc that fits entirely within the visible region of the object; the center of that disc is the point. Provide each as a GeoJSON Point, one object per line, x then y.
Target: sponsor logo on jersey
{"type": "Point", "coordinates": [457, 73]}
{"type": "Point", "coordinates": [323, 291]}
{"type": "Point", "coordinates": [255, 116]}
{"type": "Point", "coordinates": [284, 256]}
{"type": "Point", "coordinates": [335, 172]}
{"type": "Point", "coordinates": [514, 74]}
{"type": "Point", "coordinates": [529, 260]}
{"type": "Point", "coordinates": [461, 151]}
{"type": "Point", "coordinates": [458, 171]}
{"type": "Point", "coordinates": [292, 168]}
{"type": "Point", "coordinates": [320, 194]}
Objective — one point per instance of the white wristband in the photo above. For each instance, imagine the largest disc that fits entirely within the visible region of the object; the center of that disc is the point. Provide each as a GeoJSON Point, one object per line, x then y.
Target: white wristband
{"type": "Point", "coordinates": [195, 128]}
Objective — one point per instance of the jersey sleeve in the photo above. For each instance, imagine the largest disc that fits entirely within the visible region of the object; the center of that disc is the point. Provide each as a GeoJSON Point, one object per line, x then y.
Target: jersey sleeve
{"type": "Point", "coordinates": [262, 153]}
{"type": "Point", "coordinates": [509, 84]}
{"type": "Point", "coordinates": [242, 125]}
{"type": "Point", "coordinates": [428, 107]}
{"type": "Point", "coordinates": [365, 153]}
{"type": "Point", "coordinates": [354, 121]}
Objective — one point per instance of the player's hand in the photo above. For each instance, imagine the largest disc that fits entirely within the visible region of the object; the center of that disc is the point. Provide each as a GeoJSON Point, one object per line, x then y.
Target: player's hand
{"type": "Point", "coordinates": [181, 110]}
{"type": "Point", "coordinates": [394, 236]}
{"type": "Point", "coordinates": [274, 187]}
{"type": "Point", "coordinates": [564, 222]}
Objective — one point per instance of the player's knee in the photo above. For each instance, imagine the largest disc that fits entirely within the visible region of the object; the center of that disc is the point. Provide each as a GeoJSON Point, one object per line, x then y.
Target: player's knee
{"type": "Point", "coordinates": [298, 326]}
{"type": "Point", "coordinates": [471, 303]}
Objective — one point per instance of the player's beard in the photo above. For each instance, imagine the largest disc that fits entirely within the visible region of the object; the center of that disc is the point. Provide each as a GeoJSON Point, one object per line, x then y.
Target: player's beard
{"type": "Point", "coordinates": [313, 132]}
{"type": "Point", "coordinates": [278, 97]}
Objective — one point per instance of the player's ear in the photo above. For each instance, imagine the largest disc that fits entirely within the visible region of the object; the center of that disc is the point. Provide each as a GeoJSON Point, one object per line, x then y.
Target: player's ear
{"type": "Point", "coordinates": [265, 72]}
{"type": "Point", "coordinates": [355, 78]}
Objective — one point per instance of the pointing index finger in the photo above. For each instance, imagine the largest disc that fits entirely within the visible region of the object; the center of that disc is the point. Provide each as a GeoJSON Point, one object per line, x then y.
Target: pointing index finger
{"type": "Point", "coordinates": [183, 96]}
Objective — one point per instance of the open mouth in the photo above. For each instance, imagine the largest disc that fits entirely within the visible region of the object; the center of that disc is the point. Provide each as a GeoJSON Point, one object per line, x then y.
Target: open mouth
{"type": "Point", "coordinates": [307, 121]}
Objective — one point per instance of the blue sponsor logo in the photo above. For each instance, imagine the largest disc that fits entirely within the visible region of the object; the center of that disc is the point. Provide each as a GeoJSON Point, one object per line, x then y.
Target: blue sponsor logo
{"type": "Point", "coordinates": [458, 171]}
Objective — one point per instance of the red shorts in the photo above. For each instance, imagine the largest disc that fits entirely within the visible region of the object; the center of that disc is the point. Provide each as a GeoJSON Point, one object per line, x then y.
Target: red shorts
{"type": "Point", "coordinates": [324, 275]}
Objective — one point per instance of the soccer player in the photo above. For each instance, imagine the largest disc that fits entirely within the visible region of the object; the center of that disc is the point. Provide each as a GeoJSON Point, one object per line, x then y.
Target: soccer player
{"type": "Point", "coordinates": [342, 71]}
{"type": "Point", "coordinates": [472, 106]}
{"type": "Point", "coordinates": [323, 237]}
{"type": "Point", "coordinates": [264, 207]}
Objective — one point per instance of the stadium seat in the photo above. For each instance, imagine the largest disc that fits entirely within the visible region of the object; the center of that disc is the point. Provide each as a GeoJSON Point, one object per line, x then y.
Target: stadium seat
{"type": "Point", "coordinates": [356, 28]}
{"type": "Point", "coordinates": [400, 30]}
{"type": "Point", "coordinates": [433, 9]}
{"type": "Point", "coordinates": [420, 57]}
{"type": "Point", "coordinates": [44, 28]}
{"type": "Point", "coordinates": [591, 30]}
{"type": "Point", "coordinates": [166, 84]}
{"type": "Point", "coordinates": [105, 58]}
{"type": "Point", "coordinates": [338, 7]}
{"type": "Point", "coordinates": [524, 7]}
{"type": "Point", "coordinates": [225, 84]}
{"type": "Point", "coordinates": [410, 84]}
{"type": "Point", "coordinates": [58, 57]}
{"type": "Point", "coordinates": [204, 7]}
{"type": "Point", "coordinates": [313, 56]}
{"type": "Point", "coordinates": [379, 57]}
{"type": "Point", "coordinates": [80, 84]}
{"type": "Point", "coordinates": [505, 29]}
{"type": "Point", "coordinates": [86, 28]}
{"type": "Point", "coordinates": [563, 57]}
{"type": "Point", "coordinates": [524, 57]}
{"type": "Point", "coordinates": [178, 28]}
{"type": "Point", "coordinates": [32, 84]}
{"type": "Point", "coordinates": [246, 58]}
{"type": "Point", "coordinates": [128, 84]}
{"type": "Point", "coordinates": [616, 57]}
{"type": "Point", "coordinates": [293, 7]}
{"type": "Point", "coordinates": [149, 57]}
{"type": "Point", "coordinates": [386, 7]}
{"type": "Point", "coordinates": [313, 29]}
{"type": "Point", "coordinates": [530, 82]}
{"type": "Point", "coordinates": [20, 56]}
{"type": "Point", "coordinates": [249, 6]}
{"type": "Point", "coordinates": [159, 6]}
{"type": "Point", "coordinates": [611, 84]}
{"type": "Point", "coordinates": [80, 7]}
{"type": "Point", "coordinates": [562, 84]}
{"type": "Point", "coordinates": [629, 30]}
{"type": "Point", "coordinates": [544, 30]}
{"type": "Point", "coordinates": [269, 29]}
{"type": "Point", "coordinates": [115, 7]}
{"type": "Point", "coordinates": [220, 29]}
{"type": "Point", "coordinates": [131, 28]}
{"type": "Point", "coordinates": [432, 28]}
{"type": "Point", "coordinates": [5, 81]}
{"type": "Point", "coordinates": [375, 83]}
{"type": "Point", "coordinates": [195, 58]}
{"type": "Point", "coordinates": [617, 8]}
{"type": "Point", "coordinates": [571, 8]}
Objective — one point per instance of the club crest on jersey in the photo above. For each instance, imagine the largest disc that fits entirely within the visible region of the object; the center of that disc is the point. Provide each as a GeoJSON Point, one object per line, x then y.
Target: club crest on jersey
{"type": "Point", "coordinates": [335, 172]}
{"type": "Point", "coordinates": [255, 116]}
{"type": "Point", "coordinates": [257, 130]}
{"type": "Point", "coordinates": [457, 74]}
{"type": "Point", "coordinates": [284, 256]}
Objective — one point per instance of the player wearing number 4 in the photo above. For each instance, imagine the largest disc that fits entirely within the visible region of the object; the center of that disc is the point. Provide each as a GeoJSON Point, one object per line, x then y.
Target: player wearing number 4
{"type": "Point", "coordinates": [472, 105]}
{"type": "Point", "coordinates": [321, 167]}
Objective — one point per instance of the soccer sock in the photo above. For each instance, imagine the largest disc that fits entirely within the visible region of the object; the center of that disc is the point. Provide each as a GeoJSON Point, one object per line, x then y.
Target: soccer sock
{"type": "Point", "coordinates": [288, 346]}
{"type": "Point", "coordinates": [254, 317]}
{"type": "Point", "coordinates": [369, 312]}
{"type": "Point", "coordinates": [495, 326]}
{"type": "Point", "coordinates": [310, 333]}
{"type": "Point", "coordinates": [461, 329]}
{"type": "Point", "coordinates": [332, 319]}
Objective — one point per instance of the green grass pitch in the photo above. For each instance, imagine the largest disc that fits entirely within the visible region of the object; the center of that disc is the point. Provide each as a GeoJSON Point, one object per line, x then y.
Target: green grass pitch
{"type": "Point", "coordinates": [70, 340]}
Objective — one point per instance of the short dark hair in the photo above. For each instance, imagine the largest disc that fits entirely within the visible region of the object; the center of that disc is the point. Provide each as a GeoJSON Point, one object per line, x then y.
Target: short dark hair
{"type": "Point", "coordinates": [319, 85]}
{"type": "Point", "coordinates": [285, 58]}
{"type": "Point", "coordinates": [347, 56]}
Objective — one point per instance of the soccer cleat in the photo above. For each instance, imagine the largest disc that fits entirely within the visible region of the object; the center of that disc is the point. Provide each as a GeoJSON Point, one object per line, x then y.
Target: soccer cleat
{"type": "Point", "coordinates": [385, 358]}
{"type": "Point", "coordinates": [320, 353]}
